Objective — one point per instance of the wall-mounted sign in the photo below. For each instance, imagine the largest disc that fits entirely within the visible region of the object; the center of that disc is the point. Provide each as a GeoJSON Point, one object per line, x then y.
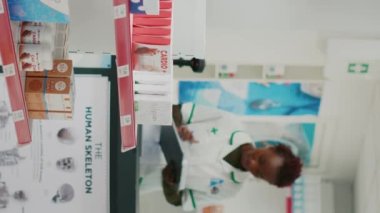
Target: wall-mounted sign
{"type": "Point", "coordinates": [358, 68]}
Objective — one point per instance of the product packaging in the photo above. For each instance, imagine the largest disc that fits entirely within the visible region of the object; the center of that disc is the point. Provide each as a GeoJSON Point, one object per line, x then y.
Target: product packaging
{"type": "Point", "coordinates": [50, 115]}
{"type": "Point", "coordinates": [153, 66]}
{"type": "Point", "coordinates": [51, 11]}
{"type": "Point", "coordinates": [35, 57]}
{"type": "Point", "coordinates": [29, 34]}
{"type": "Point", "coordinates": [151, 31]}
{"type": "Point", "coordinates": [61, 69]}
{"type": "Point", "coordinates": [152, 58]}
{"type": "Point", "coordinates": [151, 7]}
{"type": "Point", "coordinates": [51, 94]}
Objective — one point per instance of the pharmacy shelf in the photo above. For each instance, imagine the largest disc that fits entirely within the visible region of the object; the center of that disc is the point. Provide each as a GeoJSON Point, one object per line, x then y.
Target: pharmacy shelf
{"type": "Point", "coordinates": [292, 73]}
{"type": "Point", "coordinates": [13, 77]}
{"type": "Point", "coordinates": [123, 40]}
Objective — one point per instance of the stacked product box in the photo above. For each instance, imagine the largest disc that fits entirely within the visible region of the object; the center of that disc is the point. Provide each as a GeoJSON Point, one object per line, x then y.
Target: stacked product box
{"type": "Point", "coordinates": [41, 43]}
{"type": "Point", "coordinates": [153, 66]}
{"type": "Point", "coordinates": [50, 94]}
{"type": "Point", "coordinates": [38, 44]}
{"type": "Point", "coordinates": [47, 77]}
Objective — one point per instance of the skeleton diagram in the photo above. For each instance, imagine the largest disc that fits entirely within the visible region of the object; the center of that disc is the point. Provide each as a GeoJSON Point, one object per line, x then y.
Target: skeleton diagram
{"type": "Point", "coordinates": [10, 157]}
{"type": "Point", "coordinates": [4, 114]}
{"type": "Point", "coordinates": [5, 195]}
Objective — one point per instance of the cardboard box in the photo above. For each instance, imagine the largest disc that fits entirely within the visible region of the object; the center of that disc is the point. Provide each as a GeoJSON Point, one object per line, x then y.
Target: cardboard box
{"type": "Point", "coordinates": [61, 68]}
{"type": "Point", "coordinates": [61, 106]}
{"type": "Point", "coordinates": [153, 58]}
{"type": "Point", "coordinates": [50, 115]}
{"type": "Point", "coordinates": [49, 94]}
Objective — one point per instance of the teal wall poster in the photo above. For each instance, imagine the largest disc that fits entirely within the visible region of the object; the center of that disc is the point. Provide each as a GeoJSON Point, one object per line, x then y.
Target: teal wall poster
{"type": "Point", "coordinates": [254, 99]}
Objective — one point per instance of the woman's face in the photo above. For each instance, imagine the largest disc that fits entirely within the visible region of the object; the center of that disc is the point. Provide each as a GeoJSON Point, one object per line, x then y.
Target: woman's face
{"type": "Point", "coordinates": [263, 163]}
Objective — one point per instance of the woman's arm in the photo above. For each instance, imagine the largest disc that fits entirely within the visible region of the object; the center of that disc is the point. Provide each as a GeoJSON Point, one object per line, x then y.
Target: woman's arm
{"type": "Point", "coordinates": [170, 187]}
{"type": "Point", "coordinates": [177, 115]}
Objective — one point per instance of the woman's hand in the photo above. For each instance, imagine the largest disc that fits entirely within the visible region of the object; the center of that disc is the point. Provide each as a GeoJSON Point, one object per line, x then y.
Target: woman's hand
{"type": "Point", "coordinates": [169, 175]}
{"type": "Point", "coordinates": [186, 134]}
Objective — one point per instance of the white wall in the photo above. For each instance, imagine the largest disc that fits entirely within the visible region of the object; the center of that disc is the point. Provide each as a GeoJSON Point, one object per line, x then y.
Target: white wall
{"type": "Point", "coordinates": [337, 197]}
{"type": "Point", "coordinates": [345, 106]}
{"type": "Point", "coordinates": [327, 197]}
{"type": "Point", "coordinates": [284, 31]}
{"type": "Point", "coordinates": [335, 15]}
{"type": "Point", "coordinates": [367, 183]}
{"type": "Point", "coordinates": [248, 46]}
{"type": "Point", "coordinates": [92, 26]}
{"type": "Point", "coordinates": [343, 198]}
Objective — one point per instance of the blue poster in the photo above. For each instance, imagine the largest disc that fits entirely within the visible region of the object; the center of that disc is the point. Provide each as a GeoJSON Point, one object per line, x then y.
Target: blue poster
{"type": "Point", "coordinates": [272, 99]}
{"type": "Point", "coordinates": [39, 10]}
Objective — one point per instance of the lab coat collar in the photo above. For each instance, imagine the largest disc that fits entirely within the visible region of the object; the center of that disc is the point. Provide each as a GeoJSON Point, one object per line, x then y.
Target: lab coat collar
{"type": "Point", "coordinates": [236, 175]}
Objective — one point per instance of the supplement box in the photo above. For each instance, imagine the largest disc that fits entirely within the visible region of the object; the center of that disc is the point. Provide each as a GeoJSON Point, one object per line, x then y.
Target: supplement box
{"type": "Point", "coordinates": [49, 94]}
{"type": "Point", "coordinates": [61, 69]}
{"type": "Point", "coordinates": [50, 115]}
{"type": "Point", "coordinates": [152, 58]}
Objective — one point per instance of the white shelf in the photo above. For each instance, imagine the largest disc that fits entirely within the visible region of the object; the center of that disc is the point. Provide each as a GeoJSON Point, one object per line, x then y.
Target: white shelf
{"type": "Point", "coordinates": [255, 73]}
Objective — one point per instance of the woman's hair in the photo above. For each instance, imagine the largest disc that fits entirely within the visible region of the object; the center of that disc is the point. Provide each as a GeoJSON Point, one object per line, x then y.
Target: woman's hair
{"type": "Point", "coordinates": [291, 167]}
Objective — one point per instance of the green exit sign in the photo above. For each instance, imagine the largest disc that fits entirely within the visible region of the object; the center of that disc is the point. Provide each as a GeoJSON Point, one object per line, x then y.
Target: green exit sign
{"type": "Point", "coordinates": [358, 68]}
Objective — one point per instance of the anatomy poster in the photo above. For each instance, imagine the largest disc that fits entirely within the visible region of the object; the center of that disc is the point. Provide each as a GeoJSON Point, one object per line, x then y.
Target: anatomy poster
{"type": "Point", "coordinates": [65, 168]}
{"type": "Point", "coordinates": [7, 128]}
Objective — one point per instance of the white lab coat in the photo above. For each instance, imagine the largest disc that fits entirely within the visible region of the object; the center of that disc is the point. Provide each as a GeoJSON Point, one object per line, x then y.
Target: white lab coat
{"type": "Point", "coordinates": [209, 178]}
{"type": "Point", "coordinates": [152, 160]}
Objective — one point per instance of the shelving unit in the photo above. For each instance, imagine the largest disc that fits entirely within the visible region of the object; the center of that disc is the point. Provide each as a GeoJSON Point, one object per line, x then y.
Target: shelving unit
{"type": "Point", "coordinates": [256, 73]}
{"type": "Point", "coordinates": [13, 77]}
{"type": "Point", "coordinates": [124, 73]}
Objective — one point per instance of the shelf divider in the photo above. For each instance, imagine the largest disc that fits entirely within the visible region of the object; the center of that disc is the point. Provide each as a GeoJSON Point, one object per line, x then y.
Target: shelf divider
{"type": "Point", "coordinates": [13, 77]}
{"type": "Point", "coordinates": [122, 19]}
